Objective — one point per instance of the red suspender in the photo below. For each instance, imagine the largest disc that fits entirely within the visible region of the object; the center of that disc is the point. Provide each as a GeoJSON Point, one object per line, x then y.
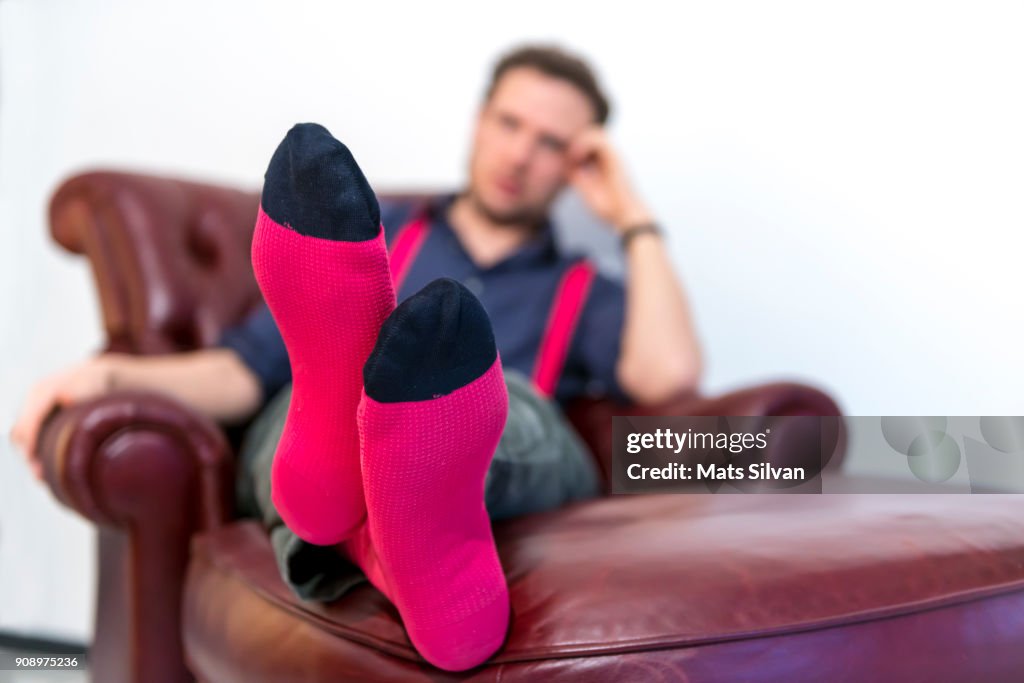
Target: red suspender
{"type": "Point", "coordinates": [405, 246]}
{"type": "Point", "coordinates": [562, 320]}
{"type": "Point", "coordinates": [563, 317]}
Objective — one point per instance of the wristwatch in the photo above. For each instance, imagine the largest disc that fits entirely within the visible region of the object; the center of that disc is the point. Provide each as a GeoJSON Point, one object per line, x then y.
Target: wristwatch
{"type": "Point", "coordinates": [627, 235]}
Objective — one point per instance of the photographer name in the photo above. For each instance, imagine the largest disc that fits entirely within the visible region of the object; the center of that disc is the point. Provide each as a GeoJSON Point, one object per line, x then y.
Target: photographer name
{"type": "Point", "coordinates": [756, 472]}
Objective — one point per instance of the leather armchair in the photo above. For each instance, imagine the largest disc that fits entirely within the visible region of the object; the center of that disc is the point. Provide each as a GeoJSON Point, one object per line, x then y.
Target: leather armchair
{"type": "Point", "coordinates": [654, 587]}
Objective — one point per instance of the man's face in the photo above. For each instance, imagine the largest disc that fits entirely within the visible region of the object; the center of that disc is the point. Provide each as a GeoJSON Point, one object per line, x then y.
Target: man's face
{"type": "Point", "coordinates": [519, 161]}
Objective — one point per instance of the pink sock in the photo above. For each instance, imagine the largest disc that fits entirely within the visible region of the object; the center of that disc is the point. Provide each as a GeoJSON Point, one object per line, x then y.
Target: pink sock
{"type": "Point", "coordinates": [433, 411]}
{"type": "Point", "coordinates": [320, 260]}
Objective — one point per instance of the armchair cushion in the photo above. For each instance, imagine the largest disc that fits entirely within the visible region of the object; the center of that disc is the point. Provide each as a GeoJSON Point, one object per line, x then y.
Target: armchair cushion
{"type": "Point", "coordinates": [666, 587]}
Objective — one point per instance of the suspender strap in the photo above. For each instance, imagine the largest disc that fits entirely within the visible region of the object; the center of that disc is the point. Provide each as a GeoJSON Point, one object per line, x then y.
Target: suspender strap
{"type": "Point", "coordinates": [566, 308]}
{"type": "Point", "coordinates": [565, 312]}
{"type": "Point", "coordinates": [406, 246]}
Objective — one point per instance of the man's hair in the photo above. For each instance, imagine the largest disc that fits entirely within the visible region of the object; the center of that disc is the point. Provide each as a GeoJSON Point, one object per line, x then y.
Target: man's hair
{"type": "Point", "coordinates": [557, 63]}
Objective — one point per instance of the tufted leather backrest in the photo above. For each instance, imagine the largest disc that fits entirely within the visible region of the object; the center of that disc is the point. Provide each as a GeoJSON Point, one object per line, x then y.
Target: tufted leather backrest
{"type": "Point", "coordinates": [170, 257]}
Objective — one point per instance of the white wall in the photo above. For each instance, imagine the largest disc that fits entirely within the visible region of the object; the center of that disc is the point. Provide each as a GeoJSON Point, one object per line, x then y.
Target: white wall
{"type": "Point", "coordinates": [842, 186]}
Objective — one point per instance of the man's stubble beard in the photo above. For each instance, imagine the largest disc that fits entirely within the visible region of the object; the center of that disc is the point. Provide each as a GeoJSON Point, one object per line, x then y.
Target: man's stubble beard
{"type": "Point", "coordinates": [511, 219]}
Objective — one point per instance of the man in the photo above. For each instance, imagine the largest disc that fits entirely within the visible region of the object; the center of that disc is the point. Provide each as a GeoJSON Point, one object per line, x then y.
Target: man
{"type": "Point", "coordinates": [538, 130]}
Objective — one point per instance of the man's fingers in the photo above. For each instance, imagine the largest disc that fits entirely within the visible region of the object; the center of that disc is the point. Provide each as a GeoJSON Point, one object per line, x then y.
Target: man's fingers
{"type": "Point", "coordinates": [20, 430]}
{"type": "Point", "coordinates": [583, 179]}
{"type": "Point", "coordinates": [20, 437]}
{"type": "Point", "coordinates": [31, 434]}
{"type": "Point", "coordinates": [578, 150]}
{"type": "Point", "coordinates": [27, 428]}
{"type": "Point", "coordinates": [586, 153]}
{"type": "Point", "coordinates": [17, 437]}
{"type": "Point", "coordinates": [590, 142]}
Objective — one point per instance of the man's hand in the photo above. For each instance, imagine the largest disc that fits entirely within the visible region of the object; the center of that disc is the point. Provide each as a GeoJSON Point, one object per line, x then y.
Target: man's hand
{"type": "Point", "coordinates": [85, 380]}
{"type": "Point", "coordinates": [660, 356]}
{"type": "Point", "coordinates": [214, 381]}
{"type": "Point", "coordinates": [597, 173]}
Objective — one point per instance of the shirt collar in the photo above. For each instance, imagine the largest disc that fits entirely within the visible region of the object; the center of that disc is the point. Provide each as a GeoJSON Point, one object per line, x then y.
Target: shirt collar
{"type": "Point", "coordinates": [542, 248]}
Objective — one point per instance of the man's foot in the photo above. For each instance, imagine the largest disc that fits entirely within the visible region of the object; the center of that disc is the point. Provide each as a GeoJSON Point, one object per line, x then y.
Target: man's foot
{"type": "Point", "coordinates": [320, 260]}
{"type": "Point", "coordinates": [433, 410]}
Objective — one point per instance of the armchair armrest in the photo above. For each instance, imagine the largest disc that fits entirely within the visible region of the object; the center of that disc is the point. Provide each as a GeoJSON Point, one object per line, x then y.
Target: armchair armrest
{"type": "Point", "coordinates": [149, 472]}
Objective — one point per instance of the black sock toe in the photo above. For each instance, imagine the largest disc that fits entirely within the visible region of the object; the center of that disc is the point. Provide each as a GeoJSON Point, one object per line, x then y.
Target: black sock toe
{"type": "Point", "coordinates": [436, 341]}
{"type": "Point", "coordinates": [314, 186]}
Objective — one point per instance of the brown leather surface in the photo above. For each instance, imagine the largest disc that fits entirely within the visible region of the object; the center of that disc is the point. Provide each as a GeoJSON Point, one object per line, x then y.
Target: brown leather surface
{"type": "Point", "coordinates": [86, 451]}
{"type": "Point", "coordinates": [170, 257]}
{"type": "Point", "coordinates": [150, 472]}
{"type": "Point", "coordinates": [984, 651]}
{"type": "Point", "coordinates": [598, 585]}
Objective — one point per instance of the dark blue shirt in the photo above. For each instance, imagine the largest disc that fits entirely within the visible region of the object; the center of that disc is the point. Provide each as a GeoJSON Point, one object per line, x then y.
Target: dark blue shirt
{"type": "Point", "coordinates": [516, 292]}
